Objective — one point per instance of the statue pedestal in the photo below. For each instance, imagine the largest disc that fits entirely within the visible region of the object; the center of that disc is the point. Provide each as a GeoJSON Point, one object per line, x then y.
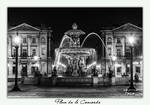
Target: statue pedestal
{"type": "Point", "coordinates": [75, 73]}
{"type": "Point", "coordinates": [54, 79]}
{"type": "Point", "coordinates": [95, 81]}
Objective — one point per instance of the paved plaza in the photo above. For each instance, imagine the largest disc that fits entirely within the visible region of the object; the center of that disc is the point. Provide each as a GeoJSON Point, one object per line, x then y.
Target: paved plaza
{"type": "Point", "coordinates": [69, 92]}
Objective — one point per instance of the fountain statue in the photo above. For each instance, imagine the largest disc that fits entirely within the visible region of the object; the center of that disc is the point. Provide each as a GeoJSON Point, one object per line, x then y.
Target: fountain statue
{"type": "Point", "coordinates": [71, 59]}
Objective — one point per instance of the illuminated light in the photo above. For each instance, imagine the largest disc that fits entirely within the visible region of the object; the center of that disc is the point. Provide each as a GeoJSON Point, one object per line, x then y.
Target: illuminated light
{"type": "Point", "coordinates": [135, 63]}
{"type": "Point", "coordinates": [36, 65]}
{"type": "Point", "coordinates": [98, 66]}
{"type": "Point", "coordinates": [24, 65]}
{"type": "Point", "coordinates": [128, 65]}
{"type": "Point", "coordinates": [131, 40]}
{"type": "Point", "coordinates": [141, 57]}
{"type": "Point", "coordinates": [8, 65]}
{"type": "Point", "coordinates": [35, 58]}
{"type": "Point", "coordinates": [58, 58]}
{"type": "Point", "coordinates": [89, 76]}
{"type": "Point", "coordinates": [53, 66]}
{"type": "Point", "coordinates": [116, 65]}
{"type": "Point", "coordinates": [60, 76]}
{"type": "Point", "coordinates": [17, 40]}
{"type": "Point", "coordinates": [114, 58]}
{"type": "Point", "coordinates": [90, 65]}
{"type": "Point", "coordinates": [61, 64]}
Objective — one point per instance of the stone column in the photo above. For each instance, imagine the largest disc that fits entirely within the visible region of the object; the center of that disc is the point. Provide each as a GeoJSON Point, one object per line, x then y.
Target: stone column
{"type": "Point", "coordinates": [38, 46]}
{"type": "Point", "coordinates": [28, 41]}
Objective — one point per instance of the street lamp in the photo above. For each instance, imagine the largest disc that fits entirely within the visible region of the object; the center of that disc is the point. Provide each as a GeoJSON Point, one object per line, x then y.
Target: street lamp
{"type": "Point", "coordinates": [131, 41]}
{"type": "Point", "coordinates": [17, 41]}
{"type": "Point", "coordinates": [114, 58]}
{"type": "Point", "coordinates": [36, 58]}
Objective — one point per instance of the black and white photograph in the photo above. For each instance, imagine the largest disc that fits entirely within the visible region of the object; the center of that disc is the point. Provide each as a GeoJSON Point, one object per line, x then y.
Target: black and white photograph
{"type": "Point", "coordinates": [75, 52]}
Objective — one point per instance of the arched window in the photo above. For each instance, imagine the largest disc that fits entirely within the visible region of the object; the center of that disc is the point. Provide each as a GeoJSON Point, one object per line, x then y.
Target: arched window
{"type": "Point", "coordinates": [109, 40]}
{"type": "Point", "coordinates": [43, 41]}
{"type": "Point", "coordinates": [34, 40]}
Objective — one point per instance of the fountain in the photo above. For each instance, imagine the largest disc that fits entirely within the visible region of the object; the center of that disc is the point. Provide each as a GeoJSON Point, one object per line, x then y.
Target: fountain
{"type": "Point", "coordinates": [71, 59]}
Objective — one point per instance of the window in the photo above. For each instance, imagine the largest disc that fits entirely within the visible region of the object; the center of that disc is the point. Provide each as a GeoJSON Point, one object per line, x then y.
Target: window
{"type": "Point", "coordinates": [118, 41]}
{"type": "Point", "coordinates": [119, 52]}
{"type": "Point", "coordinates": [24, 52]}
{"type": "Point", "coordinates": [119, 71]}
{"type": "Point", "coordinates": [33, 52]}
{"type": "Point", "coordinates": [34, 40]}
{"type": "Point", "coordinates": [14, 52]}
{"type": "Point", "coordinates": [137, 69]}
{"type": "Point", "coordinates": [109, 51]}
{"type": "Point", "coordinates": [14, 70]}
{"type": "Point", "coordinates": [43, 51]}
{"type": "Point", "coordinates": [128, 68]}
{"type": "Point", "coordinates": [109, 40]}
{"type": "Point", "coordinates": [24, 40]}
{"type": "Point", "coordinates": [43, 40]}
{"type": "Point", "coordinates": [127, 52]}
{"type": "Point", "coordinates": [33, 70]}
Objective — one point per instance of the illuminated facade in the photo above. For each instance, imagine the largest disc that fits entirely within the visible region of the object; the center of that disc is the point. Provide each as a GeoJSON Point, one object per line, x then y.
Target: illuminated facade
{"type": "Point", "coordinates": [117, 44]}
{"type": "Point", "coordinates": [34, 42]}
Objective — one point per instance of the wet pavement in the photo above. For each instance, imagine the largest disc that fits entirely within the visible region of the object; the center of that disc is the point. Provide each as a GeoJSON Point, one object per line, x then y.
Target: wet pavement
{"type": "Point", "coordinates": [33, 91]}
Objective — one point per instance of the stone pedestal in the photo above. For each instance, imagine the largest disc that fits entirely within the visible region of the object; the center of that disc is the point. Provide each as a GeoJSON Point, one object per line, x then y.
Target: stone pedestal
{"type": "Point", "coordinates": [113, 81]}
{"type": "Point", "coordinates": [54, 79]}
{"type": "Point", "coordinates": [95, 81]}
{"type": "Point", "coordinates": [75, 73]}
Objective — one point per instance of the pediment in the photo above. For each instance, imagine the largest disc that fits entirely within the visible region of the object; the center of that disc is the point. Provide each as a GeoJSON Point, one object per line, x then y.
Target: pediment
{"type": "Point", "coordinates": [24, 27]}
{"type": "Point", "coordinates": [128, 28]}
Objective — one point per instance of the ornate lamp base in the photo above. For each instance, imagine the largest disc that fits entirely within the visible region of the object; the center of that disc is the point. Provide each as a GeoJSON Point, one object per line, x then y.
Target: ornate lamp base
{"type": "Point", "coordinates": [16, 88]}
{"type": "Point", "coordinates": [131, 89]}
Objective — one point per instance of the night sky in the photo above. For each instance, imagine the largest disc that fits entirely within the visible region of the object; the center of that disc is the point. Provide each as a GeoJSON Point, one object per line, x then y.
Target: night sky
{"type": "Point", "coordinates": [61, 19]}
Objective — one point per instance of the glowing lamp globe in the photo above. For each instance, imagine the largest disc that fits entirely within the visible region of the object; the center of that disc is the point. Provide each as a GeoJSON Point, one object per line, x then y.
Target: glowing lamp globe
{"type": "Point", "coordinates": [36, 65]}
{"type": "Point", "coordinates": [17, 40]}
{"type": "Point", "coordinates": [36, 58]}
{"type": "Point", "coordinates": [131, 40]}
{"type": "Point", "coordinates": [114, 58]}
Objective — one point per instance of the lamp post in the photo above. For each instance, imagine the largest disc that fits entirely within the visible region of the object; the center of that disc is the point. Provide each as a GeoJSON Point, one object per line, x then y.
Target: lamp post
{"type": "Point", "coordinates": [36, 58]}
{"type": "Point", "coordinates": [131, 88]}
{"type": "Point", "coordinates": [17, 41]}
{"type": "Point", "coordinates": [114, 58]}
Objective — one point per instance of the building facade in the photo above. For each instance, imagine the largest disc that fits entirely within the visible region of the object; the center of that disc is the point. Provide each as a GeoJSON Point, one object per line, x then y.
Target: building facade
{"type": "Point", "coordinates": [36, 42]}
{"type": "Point", "coordinates": [117, 45]}
{"type": "Point", "coordinates": [33, 51]}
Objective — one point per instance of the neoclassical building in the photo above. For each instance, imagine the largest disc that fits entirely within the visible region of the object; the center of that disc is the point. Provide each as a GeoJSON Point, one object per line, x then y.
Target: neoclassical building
{"type": "Point", "coordinates": [35, 42]}
{"type": "Point", "coordinates": [117, 44]}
